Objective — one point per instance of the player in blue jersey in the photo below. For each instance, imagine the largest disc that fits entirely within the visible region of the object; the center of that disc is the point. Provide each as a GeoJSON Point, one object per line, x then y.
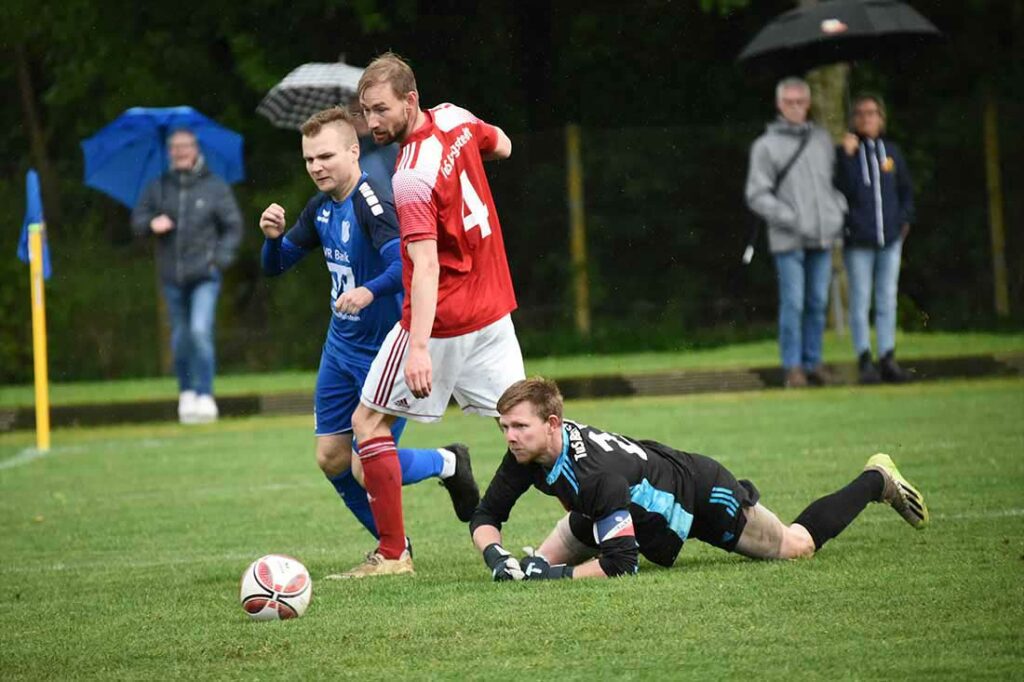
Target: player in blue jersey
{"type": "Point", "coordinates": [357, 231]}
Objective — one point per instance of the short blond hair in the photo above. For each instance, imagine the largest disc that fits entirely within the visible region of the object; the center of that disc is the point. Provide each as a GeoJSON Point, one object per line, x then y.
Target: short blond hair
{"type": "Point", "coordinates": [388, 68]}
{"type": "Point", "coordinates": [337, 116]}
{"type": "Point", "coordinates": [541, 393]}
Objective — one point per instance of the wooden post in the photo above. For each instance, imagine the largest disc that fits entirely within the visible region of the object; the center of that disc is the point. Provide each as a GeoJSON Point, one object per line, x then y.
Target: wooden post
{"type": "Point", "coordinates": [829, 88]}
{"type": "Point", "coordinates": [577, 230]}
{"type": "Point", "coordinates": [997, 226]}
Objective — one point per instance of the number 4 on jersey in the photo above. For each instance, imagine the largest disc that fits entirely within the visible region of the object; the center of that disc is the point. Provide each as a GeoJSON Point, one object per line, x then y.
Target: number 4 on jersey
{"type": "Point", "coordinates": [474, 211]}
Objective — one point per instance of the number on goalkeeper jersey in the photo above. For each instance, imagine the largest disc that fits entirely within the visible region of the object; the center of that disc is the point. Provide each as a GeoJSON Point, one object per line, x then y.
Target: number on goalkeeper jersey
{"type": "Point", "coordinates": [604, 440]}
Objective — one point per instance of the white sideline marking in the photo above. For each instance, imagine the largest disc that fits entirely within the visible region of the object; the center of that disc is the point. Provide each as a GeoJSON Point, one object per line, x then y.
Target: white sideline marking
{"type": "Point", "coordinates": [29, 455]}
{"type": "Point", "coordinates": [1000, 513]}
{"type": "Point", "coordinates": [24, 457]}
{"type": "Point", "coordinates": [115, 562]}
{"type": "Point", "coordinates": [121, 563]}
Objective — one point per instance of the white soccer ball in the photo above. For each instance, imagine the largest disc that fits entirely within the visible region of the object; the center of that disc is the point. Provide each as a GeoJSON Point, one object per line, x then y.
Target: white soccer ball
{"type": "Point", "coordinates": [276, 587]}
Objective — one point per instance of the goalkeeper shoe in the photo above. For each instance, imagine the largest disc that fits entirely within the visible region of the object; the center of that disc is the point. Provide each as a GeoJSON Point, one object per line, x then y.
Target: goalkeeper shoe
{"type": "Point", "coordinates": [461, 485]}
{"type": "Point", "coordinates": [375, 564]}
{"type": "Point", "coordinates": [898, 493]}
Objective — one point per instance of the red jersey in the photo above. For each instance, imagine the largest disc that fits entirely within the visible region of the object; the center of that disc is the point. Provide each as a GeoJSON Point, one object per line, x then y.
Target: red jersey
{"type": "Point", "coordinates": [441, 193]}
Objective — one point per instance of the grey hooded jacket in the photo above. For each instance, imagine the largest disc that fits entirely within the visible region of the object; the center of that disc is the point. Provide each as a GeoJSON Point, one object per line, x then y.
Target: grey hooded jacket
{"type": "Point", "coordinates": [207, 224]}
{"type": "Point", "coordinates": [807, 211]}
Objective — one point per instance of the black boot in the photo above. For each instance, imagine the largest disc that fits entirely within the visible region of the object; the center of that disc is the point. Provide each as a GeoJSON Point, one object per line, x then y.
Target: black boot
{"type": "Point", "coordinates": [867, 374]}
{"type": "Point", "coordinates": [891, 371]}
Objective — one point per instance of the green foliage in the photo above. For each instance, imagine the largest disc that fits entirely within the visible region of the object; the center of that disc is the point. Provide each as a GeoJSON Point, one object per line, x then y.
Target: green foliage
{"type": "Point", "coordinates": [667, 120]}
{"type": "Point", "coordinates": [124, 546]}
{"type": "Point", "coordinates": [723, 7]}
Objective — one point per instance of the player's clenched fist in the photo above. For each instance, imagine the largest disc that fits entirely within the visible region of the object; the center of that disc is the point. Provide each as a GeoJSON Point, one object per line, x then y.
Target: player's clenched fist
{"type": "Point", "coordinates": [353, 300]}
{"type": "Point", "coordinates": [272, 221]}
{"type": "Point", "coordinates": [503, 565]}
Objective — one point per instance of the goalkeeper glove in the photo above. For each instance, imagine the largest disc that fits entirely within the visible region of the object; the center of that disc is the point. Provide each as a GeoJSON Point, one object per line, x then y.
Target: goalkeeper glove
{"type": "Point", "coordinates": [503, 565]}
{"type": "Point", "coordinates": [536, 567]}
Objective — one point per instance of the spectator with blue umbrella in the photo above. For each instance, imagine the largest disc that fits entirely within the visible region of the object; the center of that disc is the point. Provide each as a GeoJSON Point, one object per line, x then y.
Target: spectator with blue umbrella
{"type": "Point", "coordinates": [184, 162]}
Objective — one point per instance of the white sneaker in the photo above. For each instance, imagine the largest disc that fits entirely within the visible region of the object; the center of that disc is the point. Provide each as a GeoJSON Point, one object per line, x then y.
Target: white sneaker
{"type": "Point", "coordinates": [206, 410]}
{"type": "Point", "coordinates": [187, 407]}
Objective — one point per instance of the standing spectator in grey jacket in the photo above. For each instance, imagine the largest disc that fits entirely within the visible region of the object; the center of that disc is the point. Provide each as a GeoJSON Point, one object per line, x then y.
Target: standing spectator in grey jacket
{"type": "Point", "coordinates": [805, 220]}
{"type": "Point", "coordinates": [197, 225]}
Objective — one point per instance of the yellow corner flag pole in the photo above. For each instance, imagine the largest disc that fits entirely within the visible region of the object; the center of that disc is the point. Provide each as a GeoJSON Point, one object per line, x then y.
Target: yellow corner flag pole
{"type": "Point", "coordinates": [35, 247]}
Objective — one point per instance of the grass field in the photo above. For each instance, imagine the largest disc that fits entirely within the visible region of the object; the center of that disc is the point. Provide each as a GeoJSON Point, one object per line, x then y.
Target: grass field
{"type": "Point", "coordinates": [751, 354]}
{"type": "Point", "coordinates": [123, 547]}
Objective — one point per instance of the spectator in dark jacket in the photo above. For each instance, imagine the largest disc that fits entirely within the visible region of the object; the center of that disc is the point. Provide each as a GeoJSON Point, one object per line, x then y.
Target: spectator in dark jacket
{"type": "Point", "coordinates": [873, 175]}
{"type": "Point", "coordinates": [198, 227]}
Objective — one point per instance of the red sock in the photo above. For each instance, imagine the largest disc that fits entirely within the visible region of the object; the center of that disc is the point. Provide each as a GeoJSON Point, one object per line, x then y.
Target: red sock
{"type": "Point", "coordinates": [382, 475]}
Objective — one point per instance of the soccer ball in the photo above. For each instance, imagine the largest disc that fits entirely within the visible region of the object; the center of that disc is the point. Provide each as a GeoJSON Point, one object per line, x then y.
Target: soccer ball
{"type": "Point", "coordinates": [276, 587]}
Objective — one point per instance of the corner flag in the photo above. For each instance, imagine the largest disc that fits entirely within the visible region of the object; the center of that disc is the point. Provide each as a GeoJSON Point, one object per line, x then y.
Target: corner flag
{"type": "Point", "coordinates": [32, 250]}
{"type": "Point", "coordinates": [33, 217]}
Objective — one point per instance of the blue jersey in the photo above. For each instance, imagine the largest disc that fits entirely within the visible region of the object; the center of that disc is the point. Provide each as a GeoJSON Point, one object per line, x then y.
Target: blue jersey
{"type": "Point", "coordinates": [359, 240]}
{"type": "Point", "coordinates": [379, 163]}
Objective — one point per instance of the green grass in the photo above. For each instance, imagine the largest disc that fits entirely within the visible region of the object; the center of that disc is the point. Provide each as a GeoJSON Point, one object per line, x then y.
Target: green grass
{"type": "Point", "coordinates": [752, 354]}
{"type": "Point", "coordinates": [123, 547]}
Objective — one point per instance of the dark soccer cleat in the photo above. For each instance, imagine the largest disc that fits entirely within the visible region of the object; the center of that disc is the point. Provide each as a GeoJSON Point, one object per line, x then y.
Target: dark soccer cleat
{"type": "Point", "coordinates": [898, 493]}
{"type": "Point", "coordinates": [461, 485]}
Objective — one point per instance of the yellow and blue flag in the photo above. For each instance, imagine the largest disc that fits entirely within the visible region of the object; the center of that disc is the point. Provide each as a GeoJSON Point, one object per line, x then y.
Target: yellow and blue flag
{"type": "Point", "coordinates": [33, 216]}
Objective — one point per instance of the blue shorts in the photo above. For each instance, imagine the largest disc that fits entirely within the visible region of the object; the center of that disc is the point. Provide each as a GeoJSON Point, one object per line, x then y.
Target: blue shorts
{"type": "Point", "coordinates": [338, 385]}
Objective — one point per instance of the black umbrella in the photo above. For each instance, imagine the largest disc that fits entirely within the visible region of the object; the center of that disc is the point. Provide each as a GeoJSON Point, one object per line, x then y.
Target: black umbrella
{"type": "Point", "coordinates": [834, 31]}
{"type": "Point", "coordinates": [307, 90]}
{"type": "Point", "coordinates": [838, 31]}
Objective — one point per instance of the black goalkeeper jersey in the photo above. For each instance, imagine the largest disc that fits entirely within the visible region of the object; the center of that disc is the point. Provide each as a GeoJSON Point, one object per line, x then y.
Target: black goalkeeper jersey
{"type": "Point", "coordinates": [670, 495]}
{"type": "Point", "coordinates": [598, 473]}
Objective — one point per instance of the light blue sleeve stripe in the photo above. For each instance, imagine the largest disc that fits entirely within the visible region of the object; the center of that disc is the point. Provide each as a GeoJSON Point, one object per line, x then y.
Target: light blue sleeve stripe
{"type": "Point", "coordinates": [660, 502]}
{"type": "Point", "coordinates": [729, 501]}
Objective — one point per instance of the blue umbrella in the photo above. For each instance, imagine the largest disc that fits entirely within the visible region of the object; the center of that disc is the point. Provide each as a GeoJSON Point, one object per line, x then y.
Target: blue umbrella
{"type": "Point", "coordinates": [131, 151]}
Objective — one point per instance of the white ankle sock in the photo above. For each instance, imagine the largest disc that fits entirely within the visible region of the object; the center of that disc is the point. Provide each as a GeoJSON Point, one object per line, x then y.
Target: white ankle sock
{"type": "Point", "coordinates": [448, 470]}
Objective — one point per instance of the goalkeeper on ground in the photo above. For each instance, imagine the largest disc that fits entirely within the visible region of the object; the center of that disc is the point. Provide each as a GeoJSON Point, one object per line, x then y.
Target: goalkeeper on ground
{"type": "Point", "coordinates": [627, 497]}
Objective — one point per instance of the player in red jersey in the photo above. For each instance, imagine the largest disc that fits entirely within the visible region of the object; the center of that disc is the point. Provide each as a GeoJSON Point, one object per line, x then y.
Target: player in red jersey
{"type": "Point", "coordinates": [455, 337]}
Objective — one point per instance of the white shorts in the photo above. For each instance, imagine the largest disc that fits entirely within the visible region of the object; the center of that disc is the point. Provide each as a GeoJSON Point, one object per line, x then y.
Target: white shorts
{"type": "Point", "coordinates": [475, 368]}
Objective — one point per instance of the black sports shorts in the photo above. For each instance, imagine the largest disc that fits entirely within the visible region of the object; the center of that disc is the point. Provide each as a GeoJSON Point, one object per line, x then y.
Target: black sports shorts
{"type": "Point", "coordinates": [716, 505]}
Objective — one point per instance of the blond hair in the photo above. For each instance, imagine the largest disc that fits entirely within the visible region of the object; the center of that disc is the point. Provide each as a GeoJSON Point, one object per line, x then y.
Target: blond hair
{"type": "Point", "coordinates": [388, 68]}
{"type": "Point", "coordinates": [336, 116]}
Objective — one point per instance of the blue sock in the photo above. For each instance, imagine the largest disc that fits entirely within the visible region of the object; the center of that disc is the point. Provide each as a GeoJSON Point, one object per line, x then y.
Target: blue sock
{"type": "Point", "coordinates": [418, 465]}
{"type": "Point", "coordinates": [354, 496]}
